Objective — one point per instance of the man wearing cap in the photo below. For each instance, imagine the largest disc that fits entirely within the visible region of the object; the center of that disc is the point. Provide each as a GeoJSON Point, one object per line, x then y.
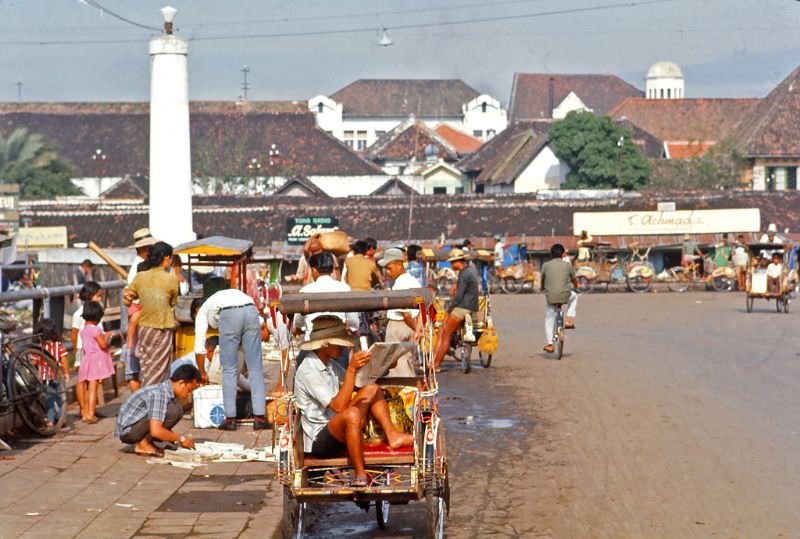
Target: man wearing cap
{"type": "Point", "coordinates": [465, 302]}
{"type": "Point", "coordinates": [332, 415]}
{"type": "Point", "coordinates": [402, 323]}
{"type": "Point", "coordinates": [771, 235]}
{"type": "Point", "coordinates": [142, 240]}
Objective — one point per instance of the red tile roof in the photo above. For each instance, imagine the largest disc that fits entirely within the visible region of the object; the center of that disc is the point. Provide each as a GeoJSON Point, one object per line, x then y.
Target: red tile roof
{"type": "Point", "coordinates": [222, 142]}
{"type": "Point", "coordinates": [685, 120]}
{"type": "Point", "coordinates": [408, 141]}
{"type": "Point", "coordinates": [771, 129]}
{"type": "Point", "coordinates": [531, 99]}
{"type": "Point", "coordinates": [127, 107]}
{"type": "Point", "coordinates": [459, 140]}
{"type": "Point", "coordinates": [429, 98]}
{"type": "Point", "coordinates": [687, 150]}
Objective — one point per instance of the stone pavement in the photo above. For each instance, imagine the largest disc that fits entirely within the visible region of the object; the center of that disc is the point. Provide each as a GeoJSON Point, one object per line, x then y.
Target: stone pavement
{"type": "Point", "coordinates": [83, 483]}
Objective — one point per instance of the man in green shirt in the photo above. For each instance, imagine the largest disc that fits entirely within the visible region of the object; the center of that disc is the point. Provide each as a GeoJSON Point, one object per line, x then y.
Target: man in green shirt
{"type": "Point", "coordinates": [558, 280]}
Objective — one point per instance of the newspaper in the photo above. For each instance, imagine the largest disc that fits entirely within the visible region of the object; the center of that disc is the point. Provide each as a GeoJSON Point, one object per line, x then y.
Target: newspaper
{"type": "Point", "coordinates": [384, 356]}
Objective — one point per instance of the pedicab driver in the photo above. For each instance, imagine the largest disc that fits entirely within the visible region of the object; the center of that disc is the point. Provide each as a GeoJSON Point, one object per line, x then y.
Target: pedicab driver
{"type": "Point", "coordinates": [466, 302]}
{"type": "Point", "coordinates": [332, 415]}
{"type": "Point", "coordinates": [558, 280]}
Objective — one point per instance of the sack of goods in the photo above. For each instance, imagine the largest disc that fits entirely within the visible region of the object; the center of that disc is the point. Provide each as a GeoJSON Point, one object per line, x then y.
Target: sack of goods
{"type": "Point", "coordinates": [488, 342]}
{"type": "Point", "coordinates": [209, 412]}
{"type": "Point", "coordinates": [335, 241]}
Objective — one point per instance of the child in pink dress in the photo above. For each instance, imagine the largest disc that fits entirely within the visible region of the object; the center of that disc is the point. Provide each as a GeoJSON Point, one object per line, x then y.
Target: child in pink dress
{"type": "Point", "coordinates": [96, 363]}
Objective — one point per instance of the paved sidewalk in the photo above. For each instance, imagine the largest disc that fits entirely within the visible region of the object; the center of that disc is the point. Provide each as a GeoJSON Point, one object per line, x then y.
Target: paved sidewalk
{"type": "Point", "coordinates": [84, 484]}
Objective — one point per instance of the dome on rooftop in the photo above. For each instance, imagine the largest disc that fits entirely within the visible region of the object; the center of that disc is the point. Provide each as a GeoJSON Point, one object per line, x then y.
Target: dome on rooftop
{"type": "Point", "coordinates": [661, 70]}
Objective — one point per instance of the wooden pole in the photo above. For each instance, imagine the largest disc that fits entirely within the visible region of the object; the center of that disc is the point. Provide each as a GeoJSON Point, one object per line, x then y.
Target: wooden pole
{"type": "Point", "coordinates": [102, 254]}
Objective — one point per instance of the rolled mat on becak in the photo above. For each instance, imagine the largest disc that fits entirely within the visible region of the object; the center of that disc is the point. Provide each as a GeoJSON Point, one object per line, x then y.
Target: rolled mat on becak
{"type": "Point", "coordinates": [155, 349]}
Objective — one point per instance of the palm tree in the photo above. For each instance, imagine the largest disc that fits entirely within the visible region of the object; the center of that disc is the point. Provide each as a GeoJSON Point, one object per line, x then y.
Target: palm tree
{"type": "Point", "coordinates": [23, 149]}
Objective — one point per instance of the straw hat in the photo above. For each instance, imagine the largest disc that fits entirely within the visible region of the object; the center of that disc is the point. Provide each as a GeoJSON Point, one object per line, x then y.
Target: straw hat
{"type": "Point", "coordinates": [142, 238]}
{"type": "Point", "coordinates": [327, 330]}
{"type": "Point", "coordinates": [456, 255]}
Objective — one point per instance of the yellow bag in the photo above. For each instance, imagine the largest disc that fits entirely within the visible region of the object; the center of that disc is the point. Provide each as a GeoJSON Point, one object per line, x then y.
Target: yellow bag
{"type": "Point", "coordinates": [488, 341]}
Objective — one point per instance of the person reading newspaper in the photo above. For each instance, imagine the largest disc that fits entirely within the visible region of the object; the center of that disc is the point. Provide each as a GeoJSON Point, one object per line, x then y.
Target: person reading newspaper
{"type": "Point", "coordinates": [333, 410]}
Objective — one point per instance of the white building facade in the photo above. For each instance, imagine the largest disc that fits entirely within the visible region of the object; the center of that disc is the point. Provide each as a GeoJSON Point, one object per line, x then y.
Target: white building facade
{"type": "Point", "coordinates": [364, 111]}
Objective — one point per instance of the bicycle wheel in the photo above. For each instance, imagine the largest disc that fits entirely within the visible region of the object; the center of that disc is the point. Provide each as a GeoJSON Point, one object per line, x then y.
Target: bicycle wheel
{"type": "Point", "coordinates": [749, 304]}
{"type": "Point", "coordinates": [560, 342]}
{"type": "Point", "coordinates": [639, 284]}
{"type": "Point", "coordinates": [678, 280]}
{"type": "Point", "coordinates": [485, 359]}
{"type": "Point", "coordinates": [721, 283]}
{"type": "Point", "coordinates": [38, 390]}
{"type": "Point", "coordinates": [511, 285]}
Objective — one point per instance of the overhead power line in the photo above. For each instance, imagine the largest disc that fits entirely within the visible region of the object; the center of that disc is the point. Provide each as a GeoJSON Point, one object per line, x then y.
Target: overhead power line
{"type": "Point", "coordinates": [103, 9]}
{"type": "Point", "coordinates": [409, 26]}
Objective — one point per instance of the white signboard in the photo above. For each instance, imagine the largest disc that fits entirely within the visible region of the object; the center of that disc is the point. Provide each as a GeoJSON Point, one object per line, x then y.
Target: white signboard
{"type": "Point", "coordinates": [639, 223]}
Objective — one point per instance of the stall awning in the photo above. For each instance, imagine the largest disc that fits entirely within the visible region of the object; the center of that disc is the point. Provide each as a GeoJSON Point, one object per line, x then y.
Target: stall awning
{"type": "Point", "coordinates": [215, 246]}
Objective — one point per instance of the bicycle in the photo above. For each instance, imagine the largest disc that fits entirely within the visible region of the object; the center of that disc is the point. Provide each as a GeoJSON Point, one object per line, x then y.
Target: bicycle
{"type": "Point", "coordinates": [32, 383]}
{"type": "Point", "coordinates": [640, 271]}
{"type": "Point", "coordinates": [680, 278]}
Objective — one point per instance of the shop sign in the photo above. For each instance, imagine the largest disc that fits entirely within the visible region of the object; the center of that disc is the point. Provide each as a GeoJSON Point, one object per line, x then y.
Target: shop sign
{"type": "Point", "coordinates": [639, 223]}
{"type": "Point", "coordinates": [299, 229]}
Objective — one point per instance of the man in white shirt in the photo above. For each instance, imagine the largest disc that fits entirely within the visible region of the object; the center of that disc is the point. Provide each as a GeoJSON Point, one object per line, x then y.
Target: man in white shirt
{"type": "Point", "coordinates": [333, 410]}
{"type": "Point", "coordinates": [402, 325]}
{"type": "Point", "coordinates": [499, 251]}
{"type": "Point", "coordinates": [322, 268]}
{"type": "Point", "coordinates": [771, 235]}
{"type": "Point", "coordinates": [235, 315]}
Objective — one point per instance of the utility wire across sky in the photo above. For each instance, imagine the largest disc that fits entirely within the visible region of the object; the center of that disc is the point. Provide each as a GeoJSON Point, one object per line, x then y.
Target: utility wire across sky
{"type": "Point", "coordinates": [435, 24]}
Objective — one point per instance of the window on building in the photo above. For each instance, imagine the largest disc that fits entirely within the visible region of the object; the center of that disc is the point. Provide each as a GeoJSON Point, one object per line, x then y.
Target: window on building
{"type": "Point", "coordinates": [459, 190]}
{"type": "Point", "coordinates": [479, 188]}
{"type": "Point", "coordinates": [483, 106]}
{"type": "Point", "coordinates": [490, 133]}
{"type": "Point", "coordinates": [361, 140]}
{"type": "Point", "coordinates": [440, 190]}
{"type": "Point", "coordinates": [350, 138]}
{"type": "Point", "coordinates": [669, 93]}
{"type": "Point", "coordinates": [662, 93]}
{"type": "Point", "coordinates": [320, 107]}
{"type": "Point", "coordinates": [478, 133]}
{"type": "Point", "coordinates": [791, 178]}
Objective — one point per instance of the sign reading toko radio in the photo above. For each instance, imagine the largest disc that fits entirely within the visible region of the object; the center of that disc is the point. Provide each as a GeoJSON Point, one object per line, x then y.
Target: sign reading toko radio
{"type": "Point", "coordinates": [639, 223]}
{"type": "Point", "coordinates": [299, 229]}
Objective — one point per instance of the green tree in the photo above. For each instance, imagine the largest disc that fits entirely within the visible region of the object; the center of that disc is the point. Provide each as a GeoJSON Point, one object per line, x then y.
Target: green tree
{"type": "Point", "coordinates": [26, 159]}
{"type": "Point", "coordinates": [590, 146]}
{"type": "Point", "coordinates": [718, 168]}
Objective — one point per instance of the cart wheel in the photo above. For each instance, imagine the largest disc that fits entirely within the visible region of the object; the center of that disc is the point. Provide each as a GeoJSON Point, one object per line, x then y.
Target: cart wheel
{"type": "Point", "coordinates": [639, 284]}
{"type": "Point", "coordinates": [722, 283]}
{"type": "Point", "coordinates": [436, 511]}
{"type": "Point", "coordinates": [678, 280]}
{"type": "Point", "coordinates": [465, 354]}
{"type": "Point", "coordinates": [601, 287]}
{"type": "Point", "coordinates": [511, 285]}
{"type": "Point", "coordinates": [786, 301]}
{"type": "Point", "coordinates": [584, 284]}
{"type": "Point", "coordinates": [382, 509]}
{"type": "Point", "coordinates": [293, 514]}
{"type": "Point", "coordinates": [749, 303]}
{"type": "Point", "coordinates": [485, 359]}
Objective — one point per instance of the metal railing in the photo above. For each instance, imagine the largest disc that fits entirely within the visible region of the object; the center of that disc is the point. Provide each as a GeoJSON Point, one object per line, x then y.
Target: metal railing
{"type": "Point", "coordinates": [50, 301]}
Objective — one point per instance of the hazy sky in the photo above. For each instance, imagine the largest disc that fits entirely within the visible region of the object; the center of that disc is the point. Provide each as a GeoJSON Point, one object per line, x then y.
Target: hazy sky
{"type": "Point", "coordinates": [725, 47]}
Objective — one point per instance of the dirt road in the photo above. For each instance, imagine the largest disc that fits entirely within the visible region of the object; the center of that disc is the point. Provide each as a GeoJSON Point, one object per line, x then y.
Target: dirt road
{"type": "Point", "coordinates": [670, 416]}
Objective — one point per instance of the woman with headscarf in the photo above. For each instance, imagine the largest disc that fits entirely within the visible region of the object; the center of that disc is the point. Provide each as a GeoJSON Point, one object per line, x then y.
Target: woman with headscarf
{"type": "Point", "coordinates": [157, 290]}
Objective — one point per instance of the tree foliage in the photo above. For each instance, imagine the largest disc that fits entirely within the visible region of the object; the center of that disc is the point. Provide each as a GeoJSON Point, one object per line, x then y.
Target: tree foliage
{"type": "Point", "coordinates": [590, 146]}
{"type": "Point", "coordinates": [718, 168]}
{"type": "Point", "coordinates": [26, 159]}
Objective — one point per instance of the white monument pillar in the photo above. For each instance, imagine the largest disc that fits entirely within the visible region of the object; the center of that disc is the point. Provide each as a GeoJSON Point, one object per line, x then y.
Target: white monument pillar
{"type": "Point", "coordinates": [170, 153]}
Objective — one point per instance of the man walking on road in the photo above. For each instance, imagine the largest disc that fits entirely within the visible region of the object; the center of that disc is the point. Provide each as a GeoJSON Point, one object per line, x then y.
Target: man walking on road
{"type": "Point", "coordinates": [558, 280]}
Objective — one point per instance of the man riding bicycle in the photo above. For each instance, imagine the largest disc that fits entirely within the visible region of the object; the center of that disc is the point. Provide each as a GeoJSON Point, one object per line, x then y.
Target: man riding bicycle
{"type": "Point", "coordinates": [558, 282]}
{"type": "Point", "coordinates": [466, 302]}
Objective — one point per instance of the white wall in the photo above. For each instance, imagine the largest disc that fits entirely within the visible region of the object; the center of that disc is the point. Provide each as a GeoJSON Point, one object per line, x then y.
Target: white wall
{"type": "Point", "coordinates": [484, 117]}
{"type": "Point", "coordinates": [441, 177]}
{"type": "Point", "coordinates": [332, 120]}
{"type": "Point", "coordinates": [664, 88]}
{"type": "Point", "coordinates": [92, 187]}
{"type": "Point", "coordinates": [569, 103]}
{"type": "Point", "coordinates": [344, 186]}
{"type": "Point", "coordinates": [546, 171]}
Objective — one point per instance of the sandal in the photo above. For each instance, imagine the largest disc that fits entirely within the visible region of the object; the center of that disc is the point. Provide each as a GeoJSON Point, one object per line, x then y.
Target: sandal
{"type": "Point", "coordinates": [154, 453]}
{"type": "Point", "coordinates": [359, 483]}
{"type": "Point", "coordinates": [569, 326]}
{"type": "Point", "coordinates": [549, 348]}
{"type": "Point", "coordinates": [90, 420]}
